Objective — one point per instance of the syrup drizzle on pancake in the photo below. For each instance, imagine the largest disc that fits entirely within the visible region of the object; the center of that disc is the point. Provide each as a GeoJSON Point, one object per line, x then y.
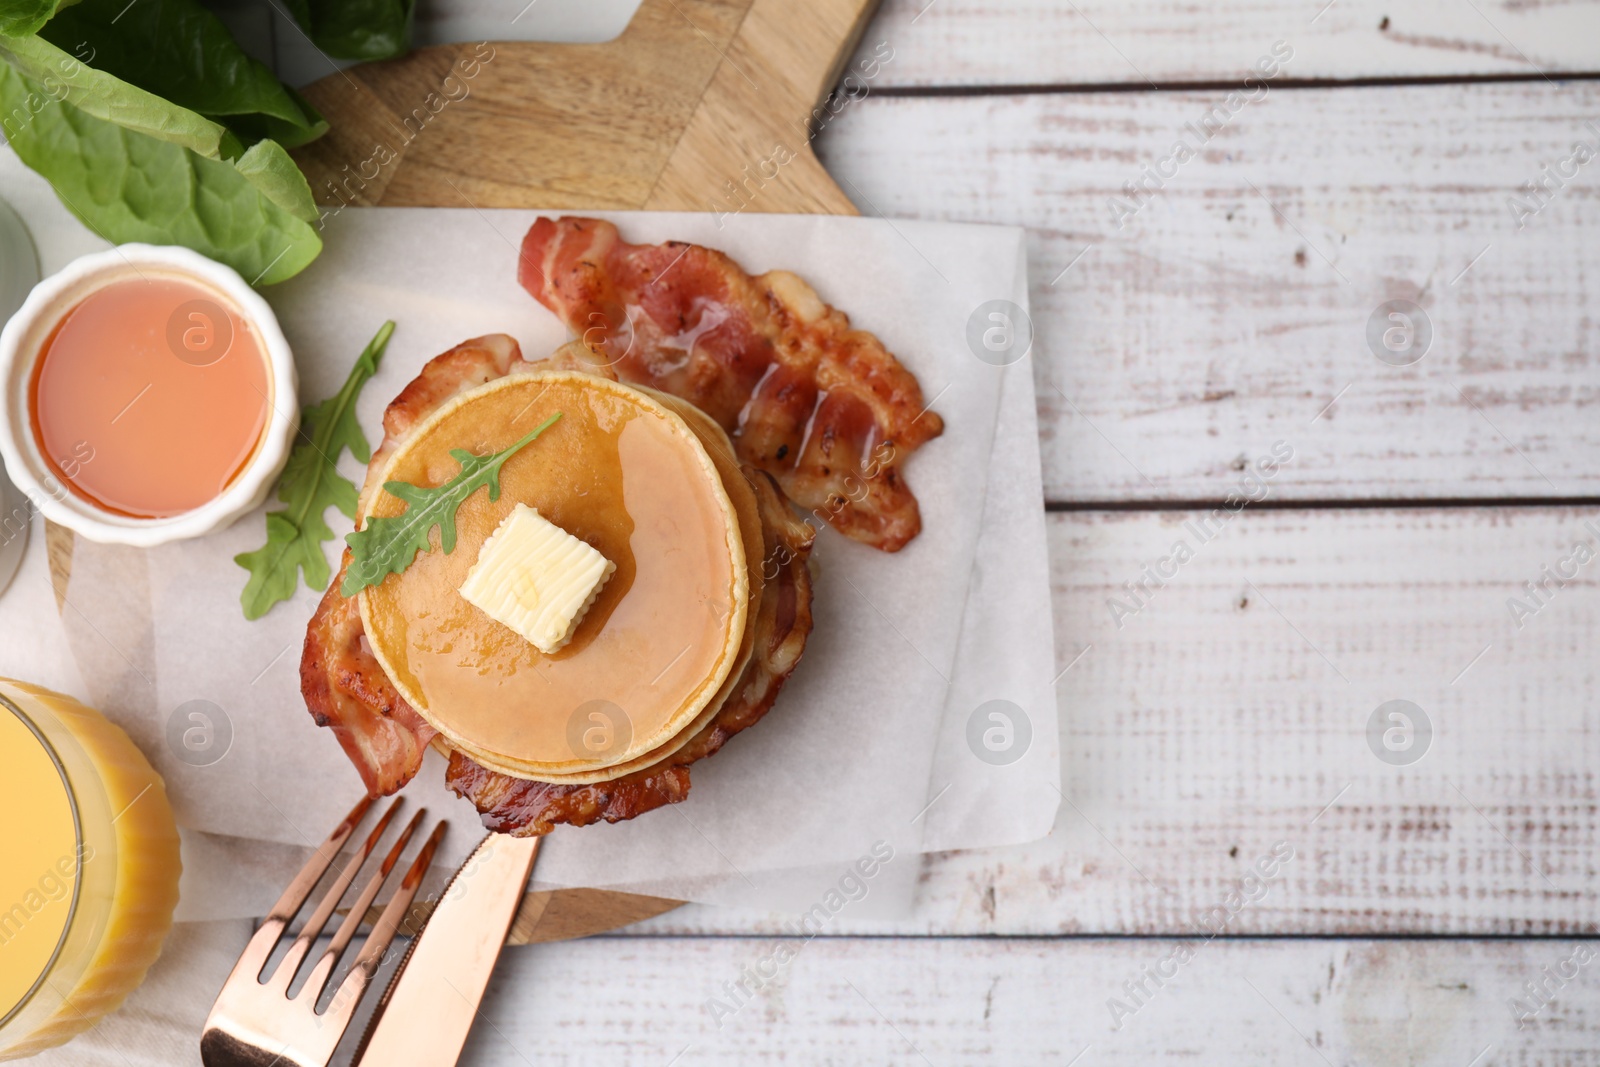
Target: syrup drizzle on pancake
{"type": "Point", "coordinates": [663, 632]}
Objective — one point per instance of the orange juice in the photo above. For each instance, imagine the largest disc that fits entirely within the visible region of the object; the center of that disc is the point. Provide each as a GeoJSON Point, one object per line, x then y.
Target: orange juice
{"type": "Point", "coordinates": [150, 396]}
{"type": "Point", "coordinates": [89, 867]}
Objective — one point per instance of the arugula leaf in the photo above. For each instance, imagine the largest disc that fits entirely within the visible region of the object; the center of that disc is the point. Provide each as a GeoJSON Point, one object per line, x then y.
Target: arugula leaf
{"type": "Point", "coordinates": [357, 29]}
{"type": "Point", "coordinates": [133, 167]}
{"type": "Point", "coordinates": [310, 484]}
{"type": "Point", "coordinates": [181, 52]}
{"type": "Point", "coordinates": [389, 544]}
{"type": "Point", "coordinates": [21, 17]}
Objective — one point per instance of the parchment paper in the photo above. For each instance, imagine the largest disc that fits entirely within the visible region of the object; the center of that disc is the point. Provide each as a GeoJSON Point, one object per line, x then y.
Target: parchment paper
{"type": "Point", "coordinates": [872, 728]}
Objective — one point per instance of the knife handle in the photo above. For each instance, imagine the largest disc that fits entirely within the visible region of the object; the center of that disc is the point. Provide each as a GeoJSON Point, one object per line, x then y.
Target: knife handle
{"type": "Point", "coordinates": [430, 1009]}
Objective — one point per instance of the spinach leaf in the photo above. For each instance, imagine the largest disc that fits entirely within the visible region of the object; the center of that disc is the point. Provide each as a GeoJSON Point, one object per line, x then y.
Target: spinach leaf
{"type": "Point", "coordinates": [22, 17]}
{"type": "Point", "coordinates": [127, 184]}
{"type": "Point", "coordinates": [252, 128]}
{"type": "Point", "coordinates": [357, 29]}
{"type": "Point", "coordinates": [62, 78]}
{"type": "Point", "coordinates": [183, 53]}
{"type": "Point", "coordinates": [268, 167]}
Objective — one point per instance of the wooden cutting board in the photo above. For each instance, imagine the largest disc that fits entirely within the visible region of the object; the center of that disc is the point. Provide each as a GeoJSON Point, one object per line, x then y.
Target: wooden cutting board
{"type": "Point", "coordinates": [690, 102]}
{"type": "Point", "coordinates": [700, 105]}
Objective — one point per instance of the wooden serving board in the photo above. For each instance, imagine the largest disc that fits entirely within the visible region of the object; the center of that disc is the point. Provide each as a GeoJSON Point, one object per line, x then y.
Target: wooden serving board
{"type": "Point", "coordinates": [695, 95]}
{"type": "Point", "coordinates": [679, 113]}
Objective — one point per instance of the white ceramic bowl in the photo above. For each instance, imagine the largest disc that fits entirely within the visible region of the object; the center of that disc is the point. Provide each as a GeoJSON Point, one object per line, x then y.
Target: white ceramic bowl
{"type": "Point", "coordinates": [23, 339]}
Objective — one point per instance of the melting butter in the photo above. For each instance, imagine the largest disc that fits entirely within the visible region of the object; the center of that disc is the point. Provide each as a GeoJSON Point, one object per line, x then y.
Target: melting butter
{"type": "Point", "coordinates": [536, 578]}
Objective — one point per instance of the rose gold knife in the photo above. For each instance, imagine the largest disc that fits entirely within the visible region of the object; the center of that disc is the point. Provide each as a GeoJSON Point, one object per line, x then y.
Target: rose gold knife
{"type": "Point", "coordinates": [429, 1008]}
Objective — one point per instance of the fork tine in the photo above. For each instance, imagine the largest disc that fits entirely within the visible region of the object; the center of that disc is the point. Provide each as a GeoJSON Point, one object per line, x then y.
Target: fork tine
{"type": "Point", "coordinates": [366, 966]}
{"type": "Point", "coordinates": [283, 977]}
{"type": "Point", "coordinates": [248, 1023]}
{"type": "Point", "coordinates": [317, 866]}
{"type": "Point", "coordinates": [261, 945]}
{"type": "Point", "coordinates": [330, 957]}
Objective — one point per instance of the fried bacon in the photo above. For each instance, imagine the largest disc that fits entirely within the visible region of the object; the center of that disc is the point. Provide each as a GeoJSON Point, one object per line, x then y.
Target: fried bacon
{"type": "Point", "coordinates": [347, 690]}
{"type": "Point", "coordinates": [466, 366]}
{"type": "Point", "coordinates": [783, 622]}
{"type": "Point", "coordinates": [823, 408]}
{"type": "Point", "coordinates": [344, 686]}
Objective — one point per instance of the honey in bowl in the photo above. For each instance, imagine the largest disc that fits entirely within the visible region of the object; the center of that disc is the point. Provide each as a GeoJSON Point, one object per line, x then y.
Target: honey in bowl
{"type": "Point", "coordinates": [89, 874]}
{"type": "Point", "coordinates": [150, 396]}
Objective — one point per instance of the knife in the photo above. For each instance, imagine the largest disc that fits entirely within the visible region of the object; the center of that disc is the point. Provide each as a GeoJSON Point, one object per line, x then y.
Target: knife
{"type": "Point", "coordinates": [429, 1007]}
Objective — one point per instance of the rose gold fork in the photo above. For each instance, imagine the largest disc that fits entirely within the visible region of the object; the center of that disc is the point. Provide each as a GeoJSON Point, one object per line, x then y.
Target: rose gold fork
{"type": "Point", "coordinates": [257, 1022]}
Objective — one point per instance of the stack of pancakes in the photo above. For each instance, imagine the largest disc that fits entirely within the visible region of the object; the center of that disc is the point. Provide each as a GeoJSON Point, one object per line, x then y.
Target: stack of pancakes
{"type": "Point", "coordinates": [651, 483]}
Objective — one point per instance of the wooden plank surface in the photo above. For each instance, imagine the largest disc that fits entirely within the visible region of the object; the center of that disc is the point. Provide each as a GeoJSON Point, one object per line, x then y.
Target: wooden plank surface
{"type": "Point", "coordinates": [1232, 308]}
{"type": "Point", "coordinates": [1140, 42]}
{"type": "Point", "coordinates": [950, 1003]}
{"type": "Point", "coordinates": [1231, 713]}
{"type": "Point", "coordinates": [955, 1002]}
{"type": "Point", "coordinates": [1210, 727]}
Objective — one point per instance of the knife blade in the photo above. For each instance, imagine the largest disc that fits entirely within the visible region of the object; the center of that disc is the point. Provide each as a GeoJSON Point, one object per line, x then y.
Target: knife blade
{"type": "Point", "coordinates": [429, 1007]}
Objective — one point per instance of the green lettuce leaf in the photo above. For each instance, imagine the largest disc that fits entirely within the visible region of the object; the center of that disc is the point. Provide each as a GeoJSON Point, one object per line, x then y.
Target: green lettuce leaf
{"type": "Point", "coordinates": [127, 183]}
{"type": "Point", "coordinates": [181, 52]}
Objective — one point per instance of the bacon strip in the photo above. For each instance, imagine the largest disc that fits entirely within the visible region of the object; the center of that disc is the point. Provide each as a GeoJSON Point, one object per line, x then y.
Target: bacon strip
{"type": "Point", "coordinates": [346, 689]}
{"type": "Point", "coordinates": [823, 408]}
{"type": "Point", "coordinates": [466, 366]}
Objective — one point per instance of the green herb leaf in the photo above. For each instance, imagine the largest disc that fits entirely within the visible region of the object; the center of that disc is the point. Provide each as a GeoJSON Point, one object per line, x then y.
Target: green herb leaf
{"type": "Point", "coordinates": [310, 484]}
{"type": "Point", "coordinates": [57, 78]}
{"type": "Point", "coordinates": [21, 17]}
{"type": "Point", "coordinates": [133, 167]}
{"type": "Point", "coordinates": [252, 128]}
{"type": "Point", "coordinates": [267, 166]}
{"type": "Point", "coordinates": [357, 29]}
{"type": "Point", "coordinates": [181, 52]}
{"type": "Point", "coordinates": [388, 544]}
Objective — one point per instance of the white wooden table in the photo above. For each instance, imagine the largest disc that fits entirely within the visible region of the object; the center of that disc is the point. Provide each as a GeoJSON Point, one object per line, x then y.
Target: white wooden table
{"type": "Point", "coordinates": [1230, 712]}
{"type": "Point", "coordinates": [1223, 712]}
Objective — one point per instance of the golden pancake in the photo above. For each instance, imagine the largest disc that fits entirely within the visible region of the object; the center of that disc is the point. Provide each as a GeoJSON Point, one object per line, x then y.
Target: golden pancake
{"type": "Point", "coordinates": [748, 510]}
{"type": "Point", "coordinates": [628, 474]}
{"type": "Point", "coordinates": [746, 507]}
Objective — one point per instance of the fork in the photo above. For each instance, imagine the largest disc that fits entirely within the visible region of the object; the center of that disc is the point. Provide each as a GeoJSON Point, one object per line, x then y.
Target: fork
{"type": "Point", "coordinates": [257, 1022]}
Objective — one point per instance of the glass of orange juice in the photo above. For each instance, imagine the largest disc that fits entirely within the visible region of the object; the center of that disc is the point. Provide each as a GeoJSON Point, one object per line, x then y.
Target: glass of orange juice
{"type": "Point", "coordinates": [89, 867]}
